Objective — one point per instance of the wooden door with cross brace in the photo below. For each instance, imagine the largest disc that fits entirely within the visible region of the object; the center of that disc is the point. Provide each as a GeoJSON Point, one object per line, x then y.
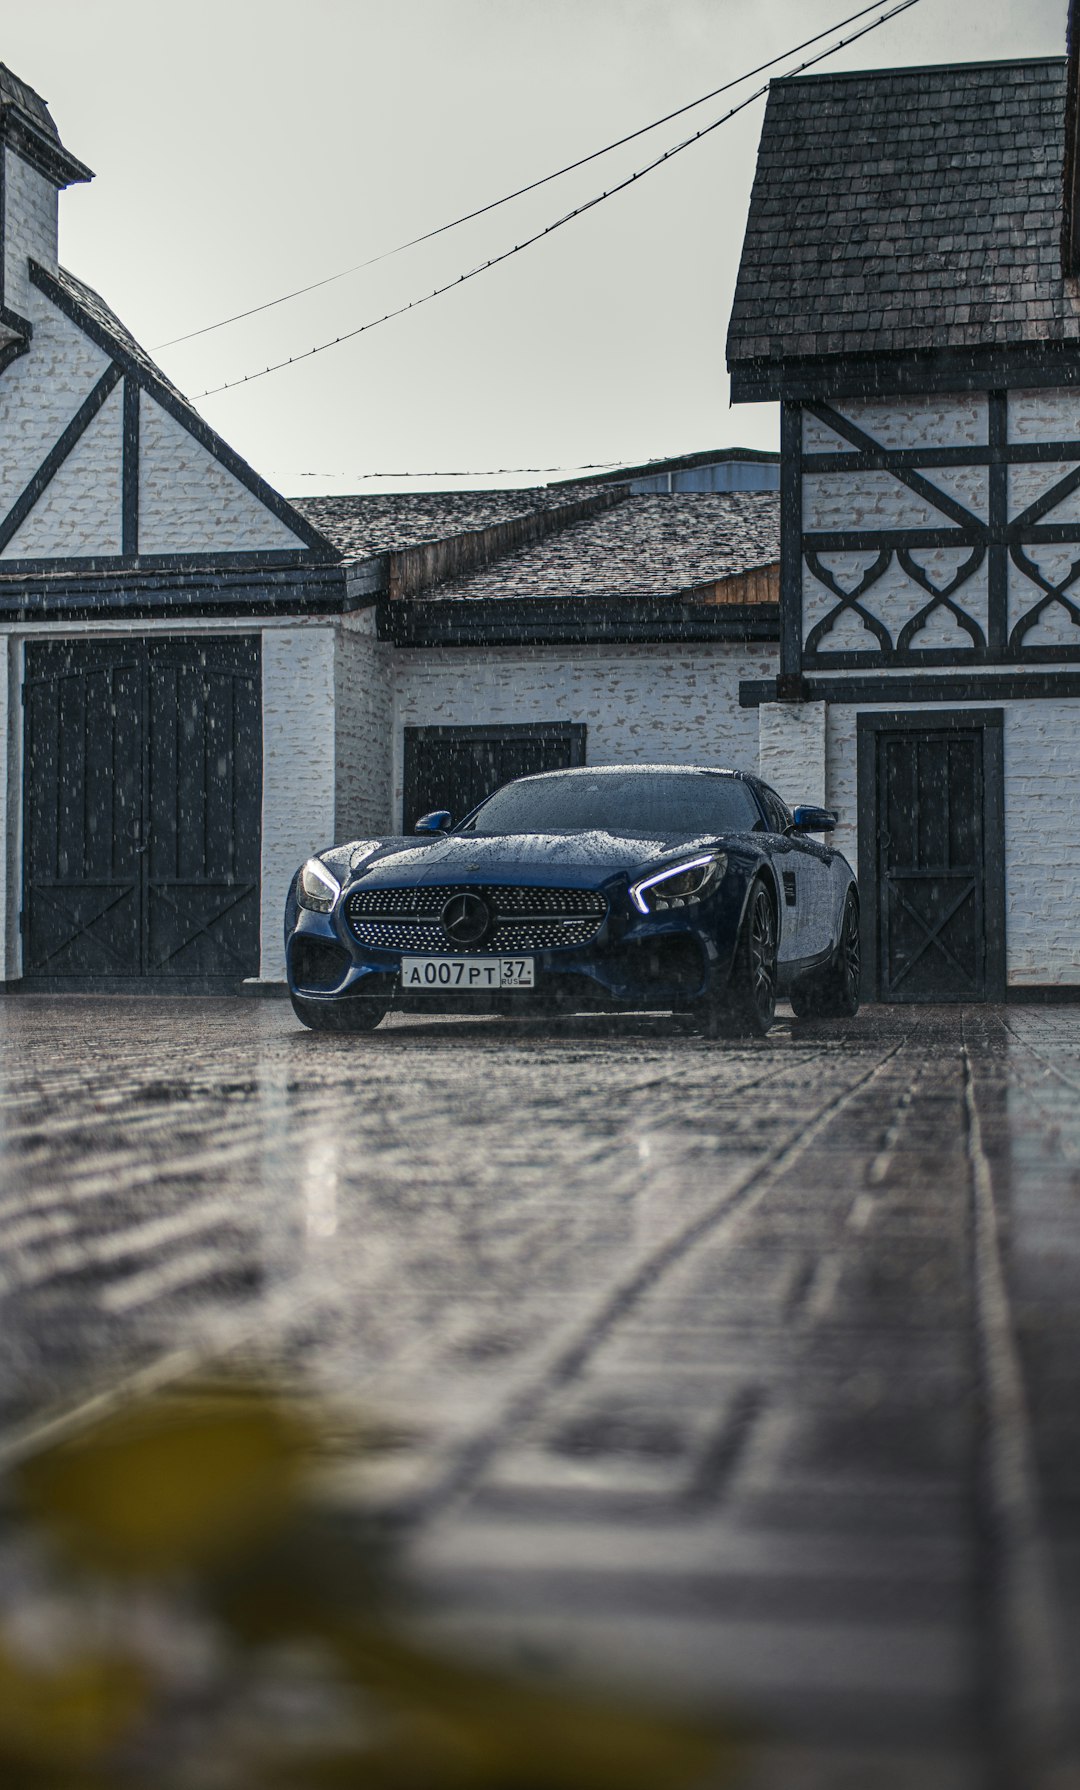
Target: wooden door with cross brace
{"type": "Point", "coordinates": [931, 855]}
{"type": "Point", "coordinates": [142, 811]}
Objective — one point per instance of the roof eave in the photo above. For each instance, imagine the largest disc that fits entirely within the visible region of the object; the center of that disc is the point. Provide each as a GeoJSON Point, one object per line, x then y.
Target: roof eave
{"type": "Point", "coordinates": [900, 372]}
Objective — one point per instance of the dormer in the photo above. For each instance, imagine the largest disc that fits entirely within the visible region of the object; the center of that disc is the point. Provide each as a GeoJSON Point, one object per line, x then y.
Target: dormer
{"type": "Point", "coordinates": [34, 166]}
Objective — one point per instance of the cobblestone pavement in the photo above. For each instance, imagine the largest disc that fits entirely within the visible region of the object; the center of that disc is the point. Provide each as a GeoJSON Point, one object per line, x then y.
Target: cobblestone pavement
{"type": "Point", "coordinates": [748, 1373]}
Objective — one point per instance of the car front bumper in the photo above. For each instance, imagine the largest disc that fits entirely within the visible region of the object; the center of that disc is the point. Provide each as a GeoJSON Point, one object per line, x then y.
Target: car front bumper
{"type": "Point", "coordinates": [633, 962]}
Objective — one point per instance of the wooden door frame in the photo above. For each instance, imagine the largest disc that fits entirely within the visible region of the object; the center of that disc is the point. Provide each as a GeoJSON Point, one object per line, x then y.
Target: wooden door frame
{"type": "Point", "coordinates": [990, 723]}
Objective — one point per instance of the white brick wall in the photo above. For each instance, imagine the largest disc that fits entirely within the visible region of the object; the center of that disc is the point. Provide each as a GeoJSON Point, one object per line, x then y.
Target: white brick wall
{"type": "Point", "coordinates": [30, 227]}
{"type": "Point", "coordinates": [39, 394]}
{"type": "Point", "coordinates": [298, 768]}
{"type": "Point", "coordinates": [364, 702]}
{"type": "Point", "coordinates": [79, 512]}
{"type": "Point", "coordinates": [639, 703]}
{"type": "Point", "coordinates": [1042, 840]}
{"type": "Point", "coordinates": [791, 750]}
{"type": "Point", "coordinates": [189, 503]}
{"type": "Point", "coordinates": [940, 420]}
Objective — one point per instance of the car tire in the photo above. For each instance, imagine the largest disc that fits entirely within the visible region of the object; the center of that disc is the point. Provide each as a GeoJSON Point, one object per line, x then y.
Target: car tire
{"type": "Point", "coordinates": [748, 1004]}
{"type": "Point", "coordinates": [357, 1015]}
{"type": "Point", "coordinates": [834, 993]}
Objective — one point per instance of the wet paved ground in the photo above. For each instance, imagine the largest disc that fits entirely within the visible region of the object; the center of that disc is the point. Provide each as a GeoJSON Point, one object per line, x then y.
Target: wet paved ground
{"type": "Point", "coordinates": [750, 1373]}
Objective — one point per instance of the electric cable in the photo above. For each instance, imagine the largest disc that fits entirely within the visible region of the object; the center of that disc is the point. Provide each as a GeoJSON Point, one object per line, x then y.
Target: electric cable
{"type": "Point", "coordinates": [549, 229]}
{"type": "Point", "coordinates": [494, 204]}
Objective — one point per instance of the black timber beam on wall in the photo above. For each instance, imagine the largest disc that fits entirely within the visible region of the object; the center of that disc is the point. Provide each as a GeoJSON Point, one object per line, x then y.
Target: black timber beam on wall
{"type": "Point", "coordinates": [130, 474]}
{"type": "Point", "coordinates": [919, 687]}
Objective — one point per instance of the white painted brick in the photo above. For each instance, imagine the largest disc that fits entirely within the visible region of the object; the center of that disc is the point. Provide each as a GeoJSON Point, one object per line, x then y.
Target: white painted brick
{"type": "Point", "coordinates": [639, 703]}
{"type": "Point", "coordinates": [39, 394]}
{"type": "Point", "coordinates": [80, 510]}
{"type": "Point", "coordinates": [189, 503]}
{"type": "Point", "coordinates": [364, 703]}
{"type": "Point", "coordinates": [298, 769]}
{"type": "Point", "coordinates": [791, 738]}
{"type": "Point", "coordinates": [30, 228]}
{"type": "Point", "coordinates": [948, 419]}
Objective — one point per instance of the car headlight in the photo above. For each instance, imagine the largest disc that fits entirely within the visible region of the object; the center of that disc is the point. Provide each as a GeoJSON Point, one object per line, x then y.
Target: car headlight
{"type": "Point", "coordinates": [316, 888]}
{"type": "Point", "coordinates": [680, 885]}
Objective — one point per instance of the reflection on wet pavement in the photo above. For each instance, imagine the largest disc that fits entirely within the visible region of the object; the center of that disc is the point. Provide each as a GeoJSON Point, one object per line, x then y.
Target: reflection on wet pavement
{"type": "Point", "coordinates": [744, 1371]}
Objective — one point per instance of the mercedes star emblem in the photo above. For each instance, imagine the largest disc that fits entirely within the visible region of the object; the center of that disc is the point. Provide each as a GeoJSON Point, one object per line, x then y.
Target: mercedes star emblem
{"type": "Point", "coordinates": [465, 919]}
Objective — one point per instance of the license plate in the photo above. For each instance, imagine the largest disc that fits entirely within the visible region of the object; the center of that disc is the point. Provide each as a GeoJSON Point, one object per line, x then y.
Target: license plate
{"type": "Point", "coordinates": [433, 975]}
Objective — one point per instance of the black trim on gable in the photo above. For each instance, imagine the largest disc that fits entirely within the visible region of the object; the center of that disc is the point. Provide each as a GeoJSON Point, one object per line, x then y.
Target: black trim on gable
{"type": "Point", "coordinates": [57, 454]}
{"type": "Point", "coordinates": [130, 501]}
{"type": "Point", "coordinates": [572, 621]}
{"type": "Point", "coordinates": [319, 548]}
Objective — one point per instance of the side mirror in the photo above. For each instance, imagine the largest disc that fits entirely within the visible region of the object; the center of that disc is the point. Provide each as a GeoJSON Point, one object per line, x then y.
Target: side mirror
{"type": "Point", "coordinates": [813, 820]}
{"type": "Point", "coordinates": [439, 820]}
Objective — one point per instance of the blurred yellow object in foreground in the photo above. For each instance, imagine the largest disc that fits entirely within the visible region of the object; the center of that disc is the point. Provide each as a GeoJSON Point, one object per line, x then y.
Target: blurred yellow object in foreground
{"type": "Point", "coordinates": [174, 1483]}
{"type": "Point", "coordinates": [66, 1716]}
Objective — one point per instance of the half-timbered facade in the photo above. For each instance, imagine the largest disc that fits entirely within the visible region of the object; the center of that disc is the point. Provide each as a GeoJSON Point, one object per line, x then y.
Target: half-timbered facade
{"type": "Point", "coordinates": [905, 293]}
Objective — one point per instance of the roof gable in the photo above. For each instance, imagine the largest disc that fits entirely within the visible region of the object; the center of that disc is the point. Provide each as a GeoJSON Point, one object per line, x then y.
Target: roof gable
{"type": "Point", "coordinates": [902, 211]}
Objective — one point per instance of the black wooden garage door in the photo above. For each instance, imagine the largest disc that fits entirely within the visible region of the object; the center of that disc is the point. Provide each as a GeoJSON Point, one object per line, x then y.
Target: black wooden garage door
{"type": "Point", "coordinates": [931, 854]}
{"type": "Point", "coordinates": [456, 767]}
{"type": "Point", "coordinates": [142, 805]}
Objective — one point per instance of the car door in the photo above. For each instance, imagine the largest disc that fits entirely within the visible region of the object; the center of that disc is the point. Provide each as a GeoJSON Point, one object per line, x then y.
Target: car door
{"type": "Point", "coordinates": [808, 925]}
{"type": "Point", "coordinates": [791, 871]}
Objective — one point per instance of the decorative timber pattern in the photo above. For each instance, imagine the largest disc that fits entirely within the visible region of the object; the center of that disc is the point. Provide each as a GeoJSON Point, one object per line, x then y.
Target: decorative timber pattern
{"type": "Point", "coordinates": [934, 530]}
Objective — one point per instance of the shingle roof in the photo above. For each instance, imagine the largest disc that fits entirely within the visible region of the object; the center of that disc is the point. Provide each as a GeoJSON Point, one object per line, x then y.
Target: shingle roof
{"type": "Point", "coordinates": [646, 546]}
{"type": "Point", "coordinates": [906, 209]}
{"type": "Point", "coordinates": [360, 526]}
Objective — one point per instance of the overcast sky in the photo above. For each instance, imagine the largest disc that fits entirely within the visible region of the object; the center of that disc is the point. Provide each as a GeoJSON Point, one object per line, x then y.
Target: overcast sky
{"type": "Point", "coordinates": [245, 147]}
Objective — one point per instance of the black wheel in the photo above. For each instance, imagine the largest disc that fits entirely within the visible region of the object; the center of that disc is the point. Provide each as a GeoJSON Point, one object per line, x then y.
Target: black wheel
{"type": "Point", "coordinates": [834, 992]}
{"type": "Point", "coordinates": [357, 1015]}
{"type": "Point", "coordinates": [748, 1004]}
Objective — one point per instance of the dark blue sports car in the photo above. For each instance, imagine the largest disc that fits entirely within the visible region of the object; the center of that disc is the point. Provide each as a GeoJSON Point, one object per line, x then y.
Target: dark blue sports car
{"type": "Point", "coordinates": [612, 887]}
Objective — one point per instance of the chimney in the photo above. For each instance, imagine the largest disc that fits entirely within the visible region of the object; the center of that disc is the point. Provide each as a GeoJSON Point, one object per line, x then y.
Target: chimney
{"type": "Point", "coordinates": [35, 166]}
{"type": "Point", "coordinates": [1070, 220]}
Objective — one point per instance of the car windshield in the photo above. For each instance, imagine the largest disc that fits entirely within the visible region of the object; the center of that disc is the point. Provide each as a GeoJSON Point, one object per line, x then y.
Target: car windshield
{"type": "Point", "coordinates": [657, 803]}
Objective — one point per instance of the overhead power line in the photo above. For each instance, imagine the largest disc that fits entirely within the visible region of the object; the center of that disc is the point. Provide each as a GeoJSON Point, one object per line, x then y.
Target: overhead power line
{"type": "Point", "coordinates": [494, 204]}
{"type": "Point", "coordinates": [549, 229]}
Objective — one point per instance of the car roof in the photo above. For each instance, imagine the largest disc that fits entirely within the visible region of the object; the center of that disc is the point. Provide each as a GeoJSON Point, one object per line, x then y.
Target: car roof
{"type": "Point", "coordinates": [623, 770]}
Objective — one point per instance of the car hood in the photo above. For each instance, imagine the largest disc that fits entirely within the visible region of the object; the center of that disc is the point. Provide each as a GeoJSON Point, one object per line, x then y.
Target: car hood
{"type": "Point", "coordinates": [586, 859]}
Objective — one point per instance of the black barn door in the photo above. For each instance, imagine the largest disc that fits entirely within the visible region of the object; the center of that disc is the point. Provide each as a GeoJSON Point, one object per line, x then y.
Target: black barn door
{"type": "Point", "coordinates": [456, 767]}
{"type": "Point", "coordinates": [931, 855]}
{"type": "Point", "coordinates": [142, 804]}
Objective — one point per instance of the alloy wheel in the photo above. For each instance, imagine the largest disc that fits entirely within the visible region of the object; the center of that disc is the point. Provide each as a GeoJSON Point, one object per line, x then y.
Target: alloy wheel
{"type": "Point", "coordinates": [762, 956]}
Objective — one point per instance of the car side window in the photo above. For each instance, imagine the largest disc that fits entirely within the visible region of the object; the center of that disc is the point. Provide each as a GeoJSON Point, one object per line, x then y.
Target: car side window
{"type": "Point", "coordinates": [779, 814]}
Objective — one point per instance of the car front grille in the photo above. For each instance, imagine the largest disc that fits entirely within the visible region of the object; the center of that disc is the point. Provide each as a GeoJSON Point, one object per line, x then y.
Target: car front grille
{"type": "Point", "coordinates": [523, 918]}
